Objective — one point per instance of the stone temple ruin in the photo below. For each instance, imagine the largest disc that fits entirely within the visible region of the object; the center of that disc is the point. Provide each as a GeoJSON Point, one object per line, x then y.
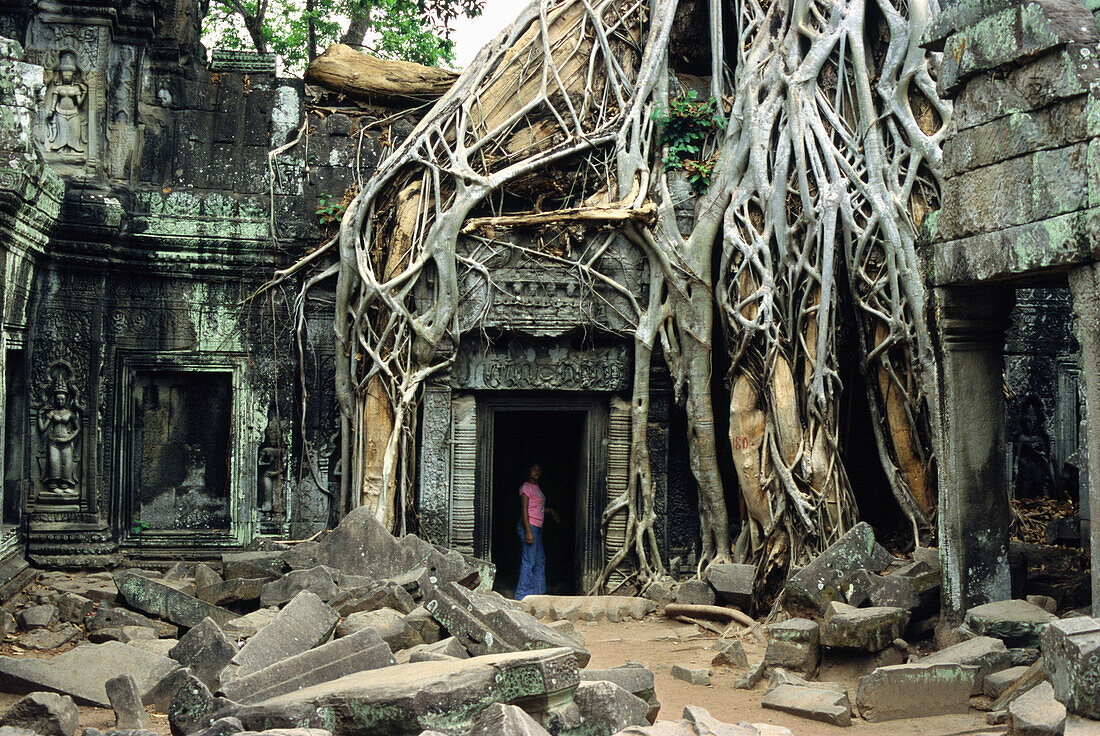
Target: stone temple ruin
{"type": "Point", "coordinates": [155, 408]}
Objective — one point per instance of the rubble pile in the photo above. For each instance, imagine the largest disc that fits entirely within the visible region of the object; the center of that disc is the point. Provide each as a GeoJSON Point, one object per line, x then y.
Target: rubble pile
{"type": "Point", "coordinates": [355, 632]}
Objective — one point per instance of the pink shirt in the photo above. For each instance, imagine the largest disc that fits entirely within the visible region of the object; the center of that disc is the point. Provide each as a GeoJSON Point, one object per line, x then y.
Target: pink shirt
{"type": "Point", "coordinates": [535, 503]}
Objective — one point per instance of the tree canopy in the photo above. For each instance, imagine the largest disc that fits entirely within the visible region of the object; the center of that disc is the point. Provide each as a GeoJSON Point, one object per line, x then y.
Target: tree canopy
{"type": "Point", "coordinates": [296, 30]}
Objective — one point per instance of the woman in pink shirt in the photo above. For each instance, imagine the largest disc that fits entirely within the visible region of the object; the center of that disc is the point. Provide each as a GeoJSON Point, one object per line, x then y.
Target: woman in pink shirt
{"type": "Point", "coordinates": [532, 569]}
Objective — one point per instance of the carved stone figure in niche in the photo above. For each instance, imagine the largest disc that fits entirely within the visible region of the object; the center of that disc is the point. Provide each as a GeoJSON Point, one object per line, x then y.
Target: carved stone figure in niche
{"type": "Point", "coordinates": [66, 111]}
{"type": "Point", "coordinates": [59, 426]}
{"type": "Point", "coordinates": [271, 461]}
{"type": "Point", "coordinates": [1033, 464]}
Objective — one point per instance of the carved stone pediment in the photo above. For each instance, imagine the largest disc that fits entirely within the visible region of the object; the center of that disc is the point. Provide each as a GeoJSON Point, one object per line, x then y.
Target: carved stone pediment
{"type": "Point", "coordinates": [542, 367]}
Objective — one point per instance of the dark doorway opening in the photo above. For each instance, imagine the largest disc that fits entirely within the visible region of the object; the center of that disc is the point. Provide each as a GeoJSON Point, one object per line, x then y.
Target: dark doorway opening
{"type": "Point", "coordinates": [180, 448]}
{"type": "Point", "coordinates": [556, 441]}
{"type": "Point", "coordinates": [15, 425]}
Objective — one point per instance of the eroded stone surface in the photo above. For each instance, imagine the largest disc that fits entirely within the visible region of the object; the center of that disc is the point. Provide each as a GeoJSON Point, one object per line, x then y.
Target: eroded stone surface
{"type": "Point", "coordinates": [915, 690]}
{"type": "Point", "coordinates": [303, 624]}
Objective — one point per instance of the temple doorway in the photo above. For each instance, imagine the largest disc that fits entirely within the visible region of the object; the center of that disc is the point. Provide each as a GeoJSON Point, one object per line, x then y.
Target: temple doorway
{"type": "Point", "coordinates": [557, 440]}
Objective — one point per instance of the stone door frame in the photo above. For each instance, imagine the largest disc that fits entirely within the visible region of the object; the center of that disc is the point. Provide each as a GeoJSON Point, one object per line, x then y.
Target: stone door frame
{"type": "Point", "coordinates": [242, 449]}
{"type": "Point", "coordinates": [593, 497]}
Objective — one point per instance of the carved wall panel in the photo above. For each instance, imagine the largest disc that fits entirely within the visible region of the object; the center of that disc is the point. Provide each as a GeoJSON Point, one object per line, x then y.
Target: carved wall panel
{"type": "Point", "coordinates": [542, 366]}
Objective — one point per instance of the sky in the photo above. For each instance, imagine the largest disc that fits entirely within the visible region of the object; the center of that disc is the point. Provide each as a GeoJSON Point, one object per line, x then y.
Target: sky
{"type": "Point", "coordinates": [470, 34]}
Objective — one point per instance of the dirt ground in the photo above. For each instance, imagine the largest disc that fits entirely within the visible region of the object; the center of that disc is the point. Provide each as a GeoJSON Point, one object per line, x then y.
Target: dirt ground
{"type": "Point", "coordinates": [659, 644]}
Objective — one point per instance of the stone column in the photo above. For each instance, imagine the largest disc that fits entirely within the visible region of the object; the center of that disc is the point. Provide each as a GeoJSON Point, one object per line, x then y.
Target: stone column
{"type": "Point", "coordinates": [973, 490]}
{"type": "Point", "coordinates": [434, 483]}
{"type": "Point", "coordinates": [1085, 284]}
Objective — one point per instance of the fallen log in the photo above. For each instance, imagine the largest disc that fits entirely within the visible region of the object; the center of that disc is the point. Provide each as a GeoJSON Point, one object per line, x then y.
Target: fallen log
{"type": "Point", "coordinates": [364, 77]}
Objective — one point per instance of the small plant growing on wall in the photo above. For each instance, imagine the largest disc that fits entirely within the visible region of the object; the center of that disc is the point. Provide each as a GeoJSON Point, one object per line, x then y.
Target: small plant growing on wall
{"type": "Point", "coordinates": [685, 127]}
{"type": "Point", "coordinates": [329, 211]}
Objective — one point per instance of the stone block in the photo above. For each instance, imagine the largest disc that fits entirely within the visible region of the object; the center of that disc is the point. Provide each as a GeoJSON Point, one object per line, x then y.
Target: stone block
{"type": "Point", "coordinates": [995, 683]}
{"type": "Point", "coordinates": [894, 591]}
{"type": "Point", "coordinates": [46, 714]}
{"type": "Point", "coordinates": [234, 590]}
{"type": "Point", "coordinates": [914, 691]}
{"type": "Point", "coordinates": [157, 599]}
{"type": "Point", "coordinates": [253, 565]}
{"type": "Point", "coordinates": [448, 648]}
{"type": "Point", "coordinates": [410, 698]}
{"type": "Point", "coordinates": [43, 640]}
{"type": "Point", "coordinates": [320, 580]}
{"type": "Point", "coordinates": [206, 650]}
{"type": "Point", "coordinates": [1017, 623]}
{"type": "Point", "coordinates": [205, 577]}
{"type": "Point", "coordinates": [732, 583]}
{"type": "Point", "coordinates": [793, 645]}
{"type": "Point", "coordinates": [125, 699]}
{"type": "Point", "coordinates": [691, 675]}
{"type": "Point", "coordinates": [506, 720]}
{"type": "Point", "coordinates": [97, 587]}
{"type": "Point", "coordinates": [856, 586]}
{"type": "Point", "coordinates": [817, 704]}
{"type": "Point", "coordinates": [108, 617]}
{"type": "Point", "coordinates": [634, 678]}
{"type": "Point", "coordinates": [987, 654]}
{"type": "Point", "coordinates": [817, 584]}
{"type": "Point", "coordinates": [866, 629]}
{"type": "Point", "coordinates": [358, 652]}
{"type": "Point", "coordinates": [37, 617]}
{"type": "Point", "coordinates": [304, 623]}
{"type": "Point", "coordinates": [383, 594]}
{"type": "Point", "coordinates": [1037, 713]}
{"type": "Point", "coordinates": [75, 608]}
{"type": "Point", "coordinates": [487, 623]}
{"type": "Point", "coordinates": [82, 672]}
{"type": "Point", "coordinates": [1044, 602]}
{"type": "Point", "coordinates": [222, 727]}
{"type": "Point", "coordinates": [1071, 660]}
{"type": "Point", "coordinates": [390, 625]}
{"type": "Point", "coordinates": [250, 623]}
{"type": "Point", "coordinates": [607, 708]}
{"type": "Point", "coordinates": [425, 625]}
{"type": "Point", "coordinates": [303, 555]}
{"type": "Point", "coordinates": [730, 653]}
{"type": "Point", "coordinates": [694, 592]}
{"type": "Point", "coordinates": [192, 707]}
{"type": "Point", "coordinates": [780, 676]}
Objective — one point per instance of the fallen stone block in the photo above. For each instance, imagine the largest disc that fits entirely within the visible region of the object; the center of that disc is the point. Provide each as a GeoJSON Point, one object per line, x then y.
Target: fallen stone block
{"type": "Point", "coordinates": [222, 727]}
{"type": "Point", "coordinates": [1017, 623]}
{"type": "Point", "coordinates": [606, 708]}
{"type": "Point", "coordinates": [1080, 726]}
{"type": "Point", "coordinates": [425, 625]}
{"type": "Point", "coordinates": [1023, 656]}
{"type": "Point", "coordinates": [13, 731]}
{"type": "Point", "coordinates": [817, 584]}
{"type": "Point", "coordinates": [487, 624]}
{"type": "Point", "coordinates": [320, 580]}
{"type": "Point", "coordinates": [1037, 713]}
{"type": "Point", "coordinates": [205, 577]}
{"type": "Point", "coordinates": [587, 608]}
{"type": "Point", "coordinates": [866, 629]}
{"type": "Point", "coordinates": [506, 720]}
{"type": "Point", "coordinates": [304, 623]}
{"type": "Point", "coordinates": [1044, 602]}
{"type": "Point", "coordinates": [75, 608]}
{"type": "Point", "coordinates": [989, 655]}
{"type": "Point", "coordinates": [234, 590]}
{"type": "Point", "coordinates": [358, 652]}
{"type": "Point", "coordinates": [360, 545]}
{"type": "Point", "coordinates": [156, 598]}
{"type": "Point", "coordinates": [82, 672]}
{"type": "Point", "coordinates": [108, 617]}
{"type": "Point", "coordinates": [46, 714]}
{"type": "Point", "coordinates": [995, 683]}
{"type": "Point", "coordinates": [1071, 660]}
{"type": "Point", "coordinates": [914, 691]}
{"type": "Point", "coordinates": [566, 629]}
{"type": "Point", "coordinates": [125, 699]}
{"type": "Point", "coordinates": [268, 565]}
{"type": "Point", "coordinates": [7, 623]}
{"type": "Point", "coordinates": [206, 650]}
{"type": "Point", "coordinates": [404, 700]}
{"type": "Point", "coordinates": [1028, 680]}
{"type": "Point", "coordinates": [751, 678]}
{"type": "Point", "coordinates": [382, 594]}
{"type": "Point", "coordinates": [894, 591]}
{"type": "Point", "coordinates": [249, 624]}
{"type": "Point", "coordinates": [780, 676]}
{"type": "Point", "coordinates": [851, 664]}
{"type": "Point", "coordinates": [814, 703]}
{"type": "Point", "coordinates": [856, 586]}
{"type": "Point", "coordinates": [124, 634]}
{"type": "Point", "coordinates": [448, 648]}
{"type": "Point", "coordinates": [99, 587]}
{"type": "Point", "coordinates": [157, 646]}
{"type": "Point", "coordinates": [634, 678]}
{"type": "Point", "coordinates": [390, 625]}
{"type": "Point", "coordinates": [192, 708]}
{"type": "Point", "coordinates": [732, 583]}
{"type": "Point", "coordinates": [793, 645]}
{"type": "Point", "coordinates": [37, 617]}
{"type": "Point", "coordinates": [302, 555]}
{"type": "Point", "coordinates": [691, 675]}
{"type": "Point", "coordinates": [730, 653]}
{"type": "Point", "coordinates": [44, 640]}
{"type": "Point", "coordinates": [694, 592]}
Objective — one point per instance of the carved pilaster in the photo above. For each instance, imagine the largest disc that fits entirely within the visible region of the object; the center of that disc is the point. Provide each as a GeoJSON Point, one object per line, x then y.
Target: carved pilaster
{"type": "Point", "coordinates": [1085, 285]}
{"type": "Point", "coordinates": [435, 463]}
{"type": "Point", "coordinates": [973, 502]}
